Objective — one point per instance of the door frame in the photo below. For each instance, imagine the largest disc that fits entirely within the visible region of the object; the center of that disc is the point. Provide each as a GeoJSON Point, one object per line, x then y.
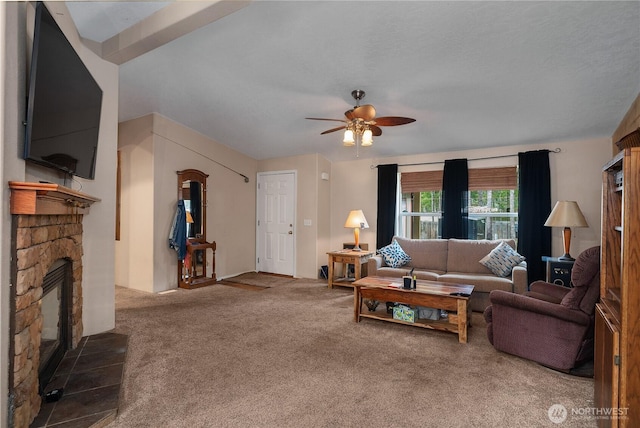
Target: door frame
{"type": "Point", "coordinates": [259, 175]}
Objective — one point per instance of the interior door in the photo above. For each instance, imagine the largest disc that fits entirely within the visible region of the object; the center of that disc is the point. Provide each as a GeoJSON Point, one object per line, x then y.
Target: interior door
{"type": "Point", "coordinates": [276, 228]}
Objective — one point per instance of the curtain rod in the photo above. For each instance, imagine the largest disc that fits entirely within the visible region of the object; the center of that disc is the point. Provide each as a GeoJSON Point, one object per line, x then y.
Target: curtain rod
{"type": "Point", "coordinates": [246, 179]}
{"type": "Point", "coordinates": [556, 150]}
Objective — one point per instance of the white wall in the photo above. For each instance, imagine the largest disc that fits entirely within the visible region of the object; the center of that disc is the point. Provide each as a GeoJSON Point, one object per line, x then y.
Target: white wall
{"type": "Point", "coordinates": [133, 255]}
{"type": "Point", "coordinates": [575, 175]}
{"type": "Point", "coordinates": [323, 243]}
{"type": "Point", "coordinates": [153, 148]}
{"type": "Point", "coordinates": [12, 80]}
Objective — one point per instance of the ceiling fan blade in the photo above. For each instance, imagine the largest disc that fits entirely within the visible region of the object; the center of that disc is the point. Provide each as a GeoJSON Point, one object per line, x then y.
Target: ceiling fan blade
{"type": "Point", "coordinates": [349, 114]}
{"type": "Point", "coordinates": [393, 121]}
{"type": "Point", "coordinates": [365, 112]}
{"type": "Point", "coordinates": [321, 118]}
{"type": "Point", "coordinates": [332, 130]}
{"type": "Point", "coordinates": [375, 130]}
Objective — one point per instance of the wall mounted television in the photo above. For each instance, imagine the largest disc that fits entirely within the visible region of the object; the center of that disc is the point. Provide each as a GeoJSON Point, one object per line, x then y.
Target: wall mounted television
{"type": "Point", "coordinates": [64, 103]}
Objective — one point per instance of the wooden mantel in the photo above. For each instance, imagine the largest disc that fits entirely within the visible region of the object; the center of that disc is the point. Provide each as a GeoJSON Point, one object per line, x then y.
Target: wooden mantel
{"type": "Point", "coordinates": [47, 199]}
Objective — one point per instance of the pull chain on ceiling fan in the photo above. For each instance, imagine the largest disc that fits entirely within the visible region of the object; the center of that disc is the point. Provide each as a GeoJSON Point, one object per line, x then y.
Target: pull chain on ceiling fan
{"type": "Point", "coordinates": [361, 125]}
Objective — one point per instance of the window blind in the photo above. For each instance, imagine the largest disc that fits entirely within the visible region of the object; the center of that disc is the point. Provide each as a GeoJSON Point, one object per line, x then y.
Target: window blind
{"type": "Point", "coordinates": [493, 178]}
{"type": "Point", "coordinates": [423, 181]}
{"type": "Point", "coordinates": [479, 179]}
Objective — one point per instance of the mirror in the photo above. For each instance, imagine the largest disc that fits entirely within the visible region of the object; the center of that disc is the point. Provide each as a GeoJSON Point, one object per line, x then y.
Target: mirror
{"type": "Point", "coordinates": [192, 189]}
{"type": "Point", "coordinates": [192, 272]}
{"type": "Point", "coordinates": [192, 196]}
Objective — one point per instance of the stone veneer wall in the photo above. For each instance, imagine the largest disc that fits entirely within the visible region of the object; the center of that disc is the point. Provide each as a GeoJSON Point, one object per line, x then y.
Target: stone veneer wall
{"type": "Point", "coordinates": [40, 241]}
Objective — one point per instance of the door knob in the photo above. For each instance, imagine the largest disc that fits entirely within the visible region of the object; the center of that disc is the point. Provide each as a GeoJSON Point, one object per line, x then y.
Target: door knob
{"type": "Point", "coordinates": [291, 232]}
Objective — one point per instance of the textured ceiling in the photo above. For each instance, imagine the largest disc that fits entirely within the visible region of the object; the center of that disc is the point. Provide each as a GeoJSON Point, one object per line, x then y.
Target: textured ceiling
{"type": "Point", "coordinates": [472, 74]}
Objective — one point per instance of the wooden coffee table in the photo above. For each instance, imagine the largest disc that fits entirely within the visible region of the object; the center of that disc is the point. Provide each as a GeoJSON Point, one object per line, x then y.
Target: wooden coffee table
{"type": "Point", "coordinates": [429, 294]}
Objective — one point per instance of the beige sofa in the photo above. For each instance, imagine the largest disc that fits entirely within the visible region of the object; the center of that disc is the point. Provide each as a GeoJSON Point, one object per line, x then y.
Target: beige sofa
{"type": "Point", "coordinates": [454, 261]}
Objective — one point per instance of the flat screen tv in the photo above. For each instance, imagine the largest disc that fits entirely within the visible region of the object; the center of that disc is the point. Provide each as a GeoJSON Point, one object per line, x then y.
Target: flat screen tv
{"type": "Point", "coordinates": [64, 103]}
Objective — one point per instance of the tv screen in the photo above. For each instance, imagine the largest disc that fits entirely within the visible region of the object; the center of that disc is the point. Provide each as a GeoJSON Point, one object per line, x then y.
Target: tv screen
{"type": "Point", "coordinates": [63, 108]}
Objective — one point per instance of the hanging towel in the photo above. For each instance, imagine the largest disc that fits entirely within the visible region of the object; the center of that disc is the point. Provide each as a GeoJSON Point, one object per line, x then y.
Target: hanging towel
{"type": "Point", "coordinates": [178, 233]}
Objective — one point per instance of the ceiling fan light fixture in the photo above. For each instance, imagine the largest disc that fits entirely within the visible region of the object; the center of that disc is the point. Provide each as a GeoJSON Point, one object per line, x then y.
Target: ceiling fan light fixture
{"type": "Point", "coordinates": [348, 138]}
{"type": "Point", "coordinates": [361, 124]}
{"type": "Point", "coordinates": [367, 138]}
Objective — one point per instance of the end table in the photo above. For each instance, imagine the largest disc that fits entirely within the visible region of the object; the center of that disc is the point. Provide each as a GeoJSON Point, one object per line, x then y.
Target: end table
{"type": "Point", "coordinates": [347, 257]}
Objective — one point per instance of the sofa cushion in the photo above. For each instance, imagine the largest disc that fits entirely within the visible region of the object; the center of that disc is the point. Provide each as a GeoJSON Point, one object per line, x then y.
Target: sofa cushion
{"type": "Point", "coordinates": [481, 282]}
{"type": "Point", "coordinates": [426, 254]}
{"type": "Point", "coordinates": [465, 254]}
{"type": "Point", "coordinates": [394, 255]}
{"type": "Point", "coordinates": [502, 259]}
{"type": "Point", "coordinates": [399, 272]}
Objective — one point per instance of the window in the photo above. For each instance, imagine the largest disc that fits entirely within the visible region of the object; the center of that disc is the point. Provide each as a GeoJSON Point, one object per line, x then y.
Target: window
{"type": "Point", "coordinates": [493, 204]}
{"type": "Point", "coordinates": [420, 214]}
{"type": "Point", "coordinates": [493, 214]}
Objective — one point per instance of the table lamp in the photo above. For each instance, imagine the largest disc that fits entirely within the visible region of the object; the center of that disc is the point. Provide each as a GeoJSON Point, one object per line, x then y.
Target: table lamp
{"type": "Point", "coordinates": [566, 214]}
{"type": "Point", "coordinates": [357, 221]}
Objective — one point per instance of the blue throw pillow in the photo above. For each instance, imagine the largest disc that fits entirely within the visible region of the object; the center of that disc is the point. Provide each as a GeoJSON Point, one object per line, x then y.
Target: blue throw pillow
{"type": "Point", "coordinates": [394, 255]}
{"type": "Point", "coordinates": [502, 259]}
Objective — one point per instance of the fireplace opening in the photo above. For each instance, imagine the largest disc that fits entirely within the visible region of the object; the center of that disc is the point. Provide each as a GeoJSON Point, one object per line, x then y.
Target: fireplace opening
{"type": "Point", "coordinates": [56, 315]}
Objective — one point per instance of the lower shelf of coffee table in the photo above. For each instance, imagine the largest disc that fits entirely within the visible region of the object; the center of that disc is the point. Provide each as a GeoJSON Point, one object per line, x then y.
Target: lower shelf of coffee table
{"type": "Point", "coordinates": [450, 324]}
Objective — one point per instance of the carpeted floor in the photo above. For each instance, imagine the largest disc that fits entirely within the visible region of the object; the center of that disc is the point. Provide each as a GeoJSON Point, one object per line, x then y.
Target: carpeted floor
{"type": "Point", "coordinates": [257, 279]}
{"type": "Point", "coordinates": [292, 356]}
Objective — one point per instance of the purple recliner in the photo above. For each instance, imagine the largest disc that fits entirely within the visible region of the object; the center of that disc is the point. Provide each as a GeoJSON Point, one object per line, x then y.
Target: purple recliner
{"type": "Point", "coordinates": [551, 324]}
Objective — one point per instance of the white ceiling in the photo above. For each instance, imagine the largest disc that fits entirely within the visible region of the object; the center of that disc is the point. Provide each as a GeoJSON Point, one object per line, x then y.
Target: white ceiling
{"type": "Point", "coordinates": [472, 74]}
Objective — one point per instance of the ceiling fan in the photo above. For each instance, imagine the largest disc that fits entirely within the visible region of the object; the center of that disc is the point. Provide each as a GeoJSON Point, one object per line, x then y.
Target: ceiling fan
{"type": "Point", "coordinates": [361, 122]}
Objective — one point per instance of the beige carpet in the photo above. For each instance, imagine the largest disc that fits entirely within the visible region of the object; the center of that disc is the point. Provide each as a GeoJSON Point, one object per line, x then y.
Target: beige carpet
{"type": "Point", "coordinates": [258, 279]}
{"type": "Point", "coordinates": [291, 356]}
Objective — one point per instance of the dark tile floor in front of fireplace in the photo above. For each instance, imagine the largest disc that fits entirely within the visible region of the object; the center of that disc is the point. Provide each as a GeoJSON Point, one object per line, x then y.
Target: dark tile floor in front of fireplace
{"type": "Point", "coordinates": [91, 376]}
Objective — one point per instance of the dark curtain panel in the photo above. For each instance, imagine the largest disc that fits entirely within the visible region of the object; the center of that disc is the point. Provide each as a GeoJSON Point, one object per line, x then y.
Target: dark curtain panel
{"type": "Point", "coordinates": [455, 206]}
{"type": "Point", "coordinates": [387, 188]}
{"type": "Point", "coordinates": [196, 212]}
{"type": "Point", "coordinates": [534, 239]}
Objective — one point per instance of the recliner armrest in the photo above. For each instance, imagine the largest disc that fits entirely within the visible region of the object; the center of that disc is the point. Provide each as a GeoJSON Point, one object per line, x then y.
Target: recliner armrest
{"type": "Point", "coordinates": [530, 304]}
{"type": "Point", "coordinates": [549, 289]}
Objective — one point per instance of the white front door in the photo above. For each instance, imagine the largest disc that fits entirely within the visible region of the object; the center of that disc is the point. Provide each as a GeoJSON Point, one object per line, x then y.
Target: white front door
{"type": "Point", "coordinates": [276, 228]}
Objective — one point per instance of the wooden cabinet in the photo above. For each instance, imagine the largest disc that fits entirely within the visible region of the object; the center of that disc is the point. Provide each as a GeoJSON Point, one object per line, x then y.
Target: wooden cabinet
{"type": "Point", "coordinates": [617, 334]}
{"type": "Point", "coordinates": [606, 364]}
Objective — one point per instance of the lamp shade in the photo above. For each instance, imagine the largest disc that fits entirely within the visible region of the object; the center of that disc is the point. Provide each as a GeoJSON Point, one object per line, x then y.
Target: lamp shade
{"type": "Point", "coordinates": [367, 138]}
{"type": "Point", "coordinates": [356, 219]}
{"type": "Point", "coordinates": [348, 139]}
{"type": "Point", "coordinates": [566, 214]}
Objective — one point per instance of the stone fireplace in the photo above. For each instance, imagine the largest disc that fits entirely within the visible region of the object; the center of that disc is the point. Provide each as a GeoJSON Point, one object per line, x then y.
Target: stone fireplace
{"type": "Point", "coordinates": [47, 230]}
